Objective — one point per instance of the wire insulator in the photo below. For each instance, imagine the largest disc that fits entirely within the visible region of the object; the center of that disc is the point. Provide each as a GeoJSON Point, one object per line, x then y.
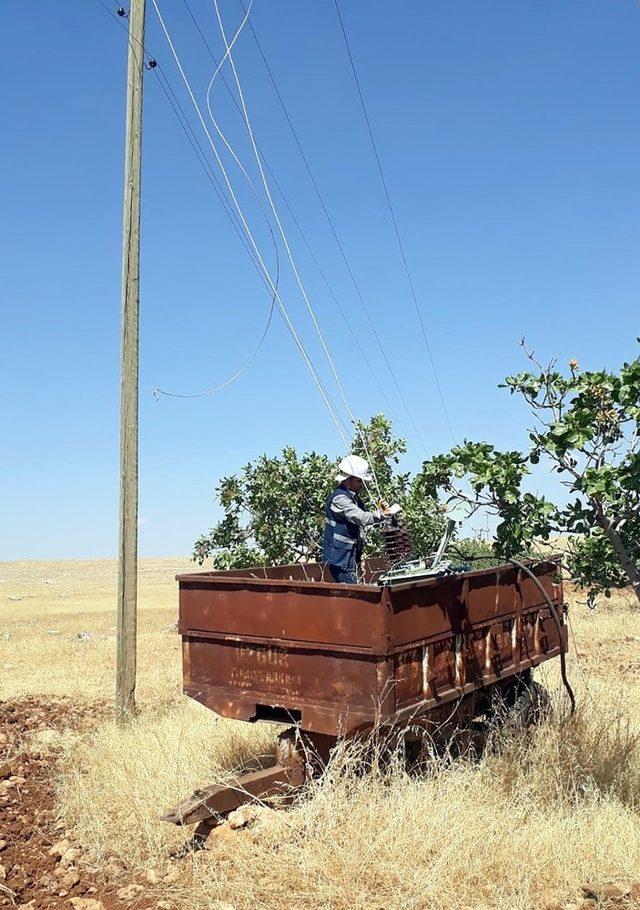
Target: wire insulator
{"type": "Point", "coordinates": [397, 542]}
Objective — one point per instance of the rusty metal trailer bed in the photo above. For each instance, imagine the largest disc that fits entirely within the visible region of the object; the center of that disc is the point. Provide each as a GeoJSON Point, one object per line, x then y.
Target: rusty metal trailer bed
{"type": "Point", "coordinates": [285, 645]}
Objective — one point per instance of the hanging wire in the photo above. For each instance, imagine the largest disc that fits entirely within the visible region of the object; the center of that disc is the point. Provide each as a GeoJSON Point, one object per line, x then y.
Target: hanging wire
{"type": "Point", "coordinates": [332, 228]}
{"type": "Point", "coordinates": [255, 256]}
{"type": "Point", "coordinates": [303, 235]}
{"type": "Point", "coordinates": [395, 223]}
{"type": "Point", "coordinates": [243, 368]}
{"type": "Point", "coordinates": [198, 151]}
{"type": "Point", "coordinates": [283, 310]}
{"type": "Point", "coordinates": [283, 234]}
{"type": "Point", "coordinates": [337, 239]}
{"type": "Point", "coordinates": [157, 391]}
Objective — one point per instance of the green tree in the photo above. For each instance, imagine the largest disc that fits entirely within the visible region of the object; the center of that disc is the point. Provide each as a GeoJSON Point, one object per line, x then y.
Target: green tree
{"type": "Point", "coordinates": [587, 429]}
{"type": "Point", "coordinates": [274, 508]}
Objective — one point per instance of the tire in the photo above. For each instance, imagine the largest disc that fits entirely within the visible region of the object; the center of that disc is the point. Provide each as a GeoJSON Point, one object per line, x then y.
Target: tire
{"type": "Point", "coordinates": [521, 706]}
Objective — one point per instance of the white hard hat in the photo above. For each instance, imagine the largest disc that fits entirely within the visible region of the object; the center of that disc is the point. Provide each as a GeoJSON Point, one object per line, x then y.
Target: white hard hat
{"type": "Point", "coordinates": [353, 466]}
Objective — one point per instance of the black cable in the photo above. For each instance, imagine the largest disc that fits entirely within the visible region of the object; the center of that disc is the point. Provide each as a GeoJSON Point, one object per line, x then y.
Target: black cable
{"type": "Point", "coordinates": [552, 610]}
{"type": "Point", "coordinates": [394, 221]}
{"type": "Point", "coordinates": [563, 662]}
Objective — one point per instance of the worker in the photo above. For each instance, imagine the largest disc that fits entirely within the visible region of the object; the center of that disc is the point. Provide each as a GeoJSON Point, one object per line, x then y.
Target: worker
{"type": "Point", "coordinates": [346, 518]}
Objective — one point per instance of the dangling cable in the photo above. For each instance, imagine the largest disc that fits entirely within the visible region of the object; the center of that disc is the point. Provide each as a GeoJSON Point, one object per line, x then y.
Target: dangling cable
{"type": "Point", "coordinates": [245, 366]}
{"type": "Point", "coordinates": [554, 613]}
{"type": "Point", "coordinates": [374, 373]}
{"type": "Point", "coordinates": [325, 395]}
{"type": "Point", "coordinates": [279, 223]}
{"type": "Point", "coordinates": [338, 242]}
{"type": "Point", "coordinates": [192, 139]}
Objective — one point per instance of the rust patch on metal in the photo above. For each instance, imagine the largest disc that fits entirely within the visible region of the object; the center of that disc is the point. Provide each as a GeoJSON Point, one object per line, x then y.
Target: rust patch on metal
{"type": "Point", "coordinates": [285, 643]}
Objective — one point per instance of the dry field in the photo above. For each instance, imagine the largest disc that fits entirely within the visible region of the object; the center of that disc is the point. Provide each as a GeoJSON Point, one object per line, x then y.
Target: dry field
{"type": "Point", "coordinates": [522, 829]}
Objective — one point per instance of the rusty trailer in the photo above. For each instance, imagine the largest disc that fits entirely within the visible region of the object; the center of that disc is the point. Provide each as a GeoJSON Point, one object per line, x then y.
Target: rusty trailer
{"type": "Point", "coordinates": [289, 646]}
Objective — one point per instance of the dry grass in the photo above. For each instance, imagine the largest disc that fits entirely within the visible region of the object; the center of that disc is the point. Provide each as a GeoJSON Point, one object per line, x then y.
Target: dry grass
{"type": "Point", "coordinates": [519, 830]}
{"type": "Point", "coordinates": [524, 826]}
{"type": "Point", "coordinates": [118, 780]}
{"type": "Point", "coordinates": [57, 629]}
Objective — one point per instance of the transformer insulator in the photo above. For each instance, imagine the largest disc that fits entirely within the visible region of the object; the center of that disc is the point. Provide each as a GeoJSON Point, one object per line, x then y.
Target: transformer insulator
{"type": "Point", "coordinates": [397, 542]}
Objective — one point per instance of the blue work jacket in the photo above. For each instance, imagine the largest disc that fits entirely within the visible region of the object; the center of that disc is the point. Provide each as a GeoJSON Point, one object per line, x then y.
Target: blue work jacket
{"type": "Point", "coordinates": [345, 520]}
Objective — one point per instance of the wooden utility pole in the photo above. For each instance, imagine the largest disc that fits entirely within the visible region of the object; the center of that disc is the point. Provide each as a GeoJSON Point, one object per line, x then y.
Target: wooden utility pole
{"type": "Point", "coordinates": [128, 532]}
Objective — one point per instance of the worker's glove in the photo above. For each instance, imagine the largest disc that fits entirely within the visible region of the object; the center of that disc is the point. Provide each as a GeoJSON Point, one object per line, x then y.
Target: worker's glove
{"type": "Point", "coordinates": [389, 511]}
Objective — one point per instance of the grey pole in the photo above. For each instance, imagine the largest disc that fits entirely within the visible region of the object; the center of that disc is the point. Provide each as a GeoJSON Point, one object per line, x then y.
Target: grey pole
{"type": "Point", "coordinates": [128, 530]}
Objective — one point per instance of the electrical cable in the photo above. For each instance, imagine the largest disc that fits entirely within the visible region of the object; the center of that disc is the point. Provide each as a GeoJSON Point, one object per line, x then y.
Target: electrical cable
{"type": "Point", "coordinates": [283, 234]}
{"type": "Point", "coordinates": [180, 115]}
{"type": "Point", "coordinates": [554, 614]}
{"type": "Point", "coordinates": [561, 632]}
{"type": "Point", "coordinates": [286, 201]}
{"type": "Point", "coordinates": [183, 120]}
{"type": "Point", "coordinates": [158, 391]}
{"type": "Point", "coordinates": [336, 237]}
{"type": "Point", "coordinates": [324, 393]}
{"type": "Point", "coordinates": [195, 145]}
{"type": "Point", "coordinates": [249, 360]}
{"type": "Point", "coordinates": [303, 235]}
{"type": "Point", "coordinates": [395, 223]}
{"type": "Point", "coordinates": [242, 369]}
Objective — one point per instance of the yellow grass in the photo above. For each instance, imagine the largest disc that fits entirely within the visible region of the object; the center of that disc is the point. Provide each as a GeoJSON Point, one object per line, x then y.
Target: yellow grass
{"type": "Point", "coordinates": [519, 830]}
{"type": "Point", "coordinates": [45, 606]}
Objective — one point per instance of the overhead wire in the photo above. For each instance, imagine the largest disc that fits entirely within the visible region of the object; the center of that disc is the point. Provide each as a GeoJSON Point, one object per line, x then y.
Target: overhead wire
{"type": "Point", "coordinates": [395, 223]}
{"type": "Point", "coordinates": [198, 151]}
{"type": "Point", "coordinates": [282, 308]}
{"type": "Point", "coordinates": [336, 237]}
{"type": "Point", "coordinates": [192, 139]}
{"type": "Point", "coordinates": [283, 234]}
{"type": "Point", "coordinates": [158, 391]}
{"type": "Point", "coordinates": [256, 256]}
{"type": "Point", "coordinates": [331, 224]}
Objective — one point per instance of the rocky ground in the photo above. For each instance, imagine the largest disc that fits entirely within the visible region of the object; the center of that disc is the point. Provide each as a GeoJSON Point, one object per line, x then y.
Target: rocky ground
{"type": "Point", "coordinates": [39, 866]}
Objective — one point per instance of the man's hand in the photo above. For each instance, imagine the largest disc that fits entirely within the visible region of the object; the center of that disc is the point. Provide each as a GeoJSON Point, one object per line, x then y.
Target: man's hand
{"type": "Point", "coordinates": [384, 507]}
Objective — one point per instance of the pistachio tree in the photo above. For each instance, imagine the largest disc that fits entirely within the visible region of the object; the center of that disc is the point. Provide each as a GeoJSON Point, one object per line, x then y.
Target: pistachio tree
{"type": "Point", "coordinates": [273, 509]}
{"type": "Point", "coordinates": [586, 429]}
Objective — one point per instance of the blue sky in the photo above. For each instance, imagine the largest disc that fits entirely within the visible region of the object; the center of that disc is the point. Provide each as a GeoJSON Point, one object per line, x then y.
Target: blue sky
{"type": "Point", "coordinates": [510, 136]}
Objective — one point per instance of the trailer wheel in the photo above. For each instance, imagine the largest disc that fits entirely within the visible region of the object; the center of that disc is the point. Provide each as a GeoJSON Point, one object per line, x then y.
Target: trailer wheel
{"type": "Point", "coordinates": [521, 706]}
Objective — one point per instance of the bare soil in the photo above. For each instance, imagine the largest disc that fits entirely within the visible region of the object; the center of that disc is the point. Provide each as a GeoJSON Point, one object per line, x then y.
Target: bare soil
{"type": "Point", "coordinates": [38, 866]}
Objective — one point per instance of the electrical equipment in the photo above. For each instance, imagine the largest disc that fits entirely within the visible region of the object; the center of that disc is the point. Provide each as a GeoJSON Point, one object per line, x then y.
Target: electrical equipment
{"type": "Point", "coordinates": [405, 567]}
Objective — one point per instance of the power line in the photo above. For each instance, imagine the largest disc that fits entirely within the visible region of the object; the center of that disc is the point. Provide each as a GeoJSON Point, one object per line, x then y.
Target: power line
{"type": "Point", "coordinates": [327, 398]}
{"type": "Point", "coordinates": [300, 230]}
{"type": "Point", "coordinates": [336, 237]}
{"type": "Point", "coordinates": [274, 210]}
{"type": "Point", "coordinates": [193, 141]}
{"type": "Point", "coordinates": [394, 221]}
{"type": "Point", "coordinates": [324, 393]}
{"type": "Point", "coordinates": [273, 285]}
{"type": "Point", "coordinates": [198, 151]}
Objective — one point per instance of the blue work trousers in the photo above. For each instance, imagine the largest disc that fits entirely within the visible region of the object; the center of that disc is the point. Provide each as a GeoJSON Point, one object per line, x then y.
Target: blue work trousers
{"type": "Point", "coordinates": [344, 576]}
